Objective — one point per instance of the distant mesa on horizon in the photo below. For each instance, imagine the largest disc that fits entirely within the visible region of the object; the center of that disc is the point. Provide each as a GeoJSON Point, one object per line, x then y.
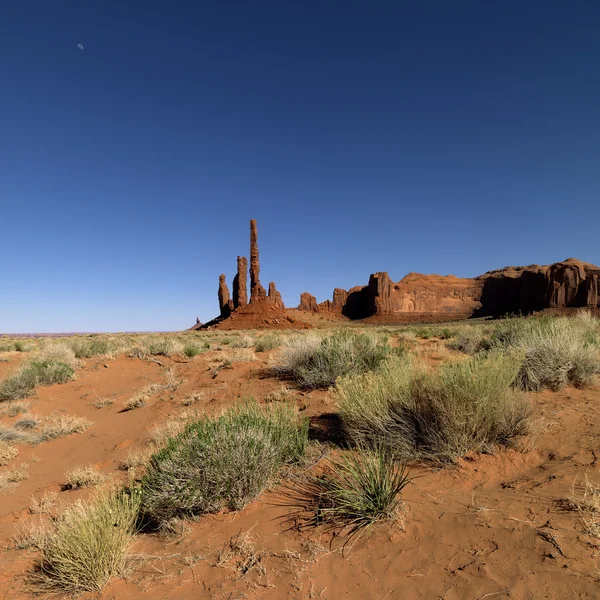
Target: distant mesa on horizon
{"type": "Point", "coordinates": [415, 298]}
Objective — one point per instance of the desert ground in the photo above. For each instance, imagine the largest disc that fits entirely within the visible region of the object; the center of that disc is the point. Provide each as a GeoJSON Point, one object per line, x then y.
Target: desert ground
{"type": "Point", "coordinates": [509, 517]}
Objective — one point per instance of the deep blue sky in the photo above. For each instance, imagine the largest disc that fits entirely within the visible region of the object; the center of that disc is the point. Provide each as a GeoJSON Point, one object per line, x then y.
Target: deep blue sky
{"type": "Point", "coordinates": [434, 136]}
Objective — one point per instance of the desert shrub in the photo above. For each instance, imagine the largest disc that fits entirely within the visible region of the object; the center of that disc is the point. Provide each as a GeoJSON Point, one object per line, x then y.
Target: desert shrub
{"type": "Point", "coordinates": [242, 341]}
{"type": "Point", "coordinates": [221, 462]}
{"type": "Point", "coordinates": [12, 409]}
{"type": "Point", "coordinates": [88, 347]}
{"type": "Point", "coordinates": [191, 350]}
{"type": "Point", "coordinates": [315, 361]}
{"type": "Point", "coordinates": [267, 342]}
{"type": "Point", "coordinates": [89, 545]}
{"type": "Point", "coordinates": [57, 352]}
{"type": "Point", "coordinates": [22, 382]}
{"type": "Point", "coordinates": [355, 490]}
{"type": "Point", "coordinates": [557, 351]}
{"type": "Point", "coordinates": [21, 346]}
{"type": "Point", "coordinates": [7, 453]}
{"type": "Point", "coordinates": [6, 346]}
{"type": "Point", "coordinates": [469, 340]}
{"type": "Point", "coordinates": [158, 345]}
{"type": "Point", "coordinates": [437, 415]}
{"type": "Point", "coordinates": [81, 477]}
{"type": "Point", "coordinates": [27, 422]}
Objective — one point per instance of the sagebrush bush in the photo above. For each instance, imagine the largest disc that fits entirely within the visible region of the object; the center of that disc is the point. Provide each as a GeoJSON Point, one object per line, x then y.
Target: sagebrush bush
{"type": "Point", "coordinates": [354, 491]}
{"type": "Point", "coordinates": [437, 415]}
{"type": "Point", "coordinates": [22, 382]}
{"type": "Point", "coordinates": [221, 462]}
{"type": "Point", "coordinates": [89, 545]}
{"type": "Point", "coordinates": [557, 351]}
{"type": "Point", "coordinates": [193, 349]}
{"type": "Point", "coordinates": [88, 347]}
{"type": "Point", "coordinates": [469, 339]}
{"type": "Point", "coordinates": [266, 342]}
{"type": "Point", "coordinates": [317, 361]}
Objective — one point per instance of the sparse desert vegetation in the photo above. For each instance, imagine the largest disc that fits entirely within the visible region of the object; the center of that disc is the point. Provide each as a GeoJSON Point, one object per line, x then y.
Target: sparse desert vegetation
{"type": "Point", "coordinates": [386, 406]}
{"type": "Point", "coordinates": [315, 360]}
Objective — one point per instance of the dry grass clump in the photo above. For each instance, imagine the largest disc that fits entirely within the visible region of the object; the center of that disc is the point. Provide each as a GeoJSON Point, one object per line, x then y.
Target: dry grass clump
{"type": "Point", "coordinates": [317, 361]}
{"type": "Point", "coordinates": [12, 409]}
{"type": "Point", "coordinates": [557, 351]}
{"type": "Point", "coordinates": [588, 506]}
{"type": "Point", "coordinates": [89, 544]}
{"type": "Point", "coordinates": [266, 342]}
{"type": "Point", "coordinates": [355, 491]}
{"type": "Point", "coordinates": [241, 551]}
{"type": "Point", "coordinates": [43, 504]}
{"type": "Point", "coordinates": [11, 478]}
{"type": "Point", "coordinates": [36, 371]}
{"type": "Point", "coordinates": [140, 398]}
{"type": "Point", "coordinates": [59, 425]}
{"type": "Point", "coordinates": [242, 341]}
{"type": "Point", "coordinates": [281, 394]}
{"type": "Point", "coordinates": [239, 355]}
{"type": "Point", "coordinates": [81, 477]}
{"type": "Point", "coordinates": [192, 398]}
{"type": "Point", "coordinates": [31, 534]}
{"type": "Point", "coordinates": [102, 402]}
{"type": "Point", "coordinates": [92, 346]}
{"type": "Point", "coordinates": [437, 415]}
{"type": "Point", "coordinates": [10, 434]}
{"type": "Point", "coordinates": [7, 453]}
{"type": "Point", "coordinates": [222, 462]}
{"type": "Point", "coordinates": [158, 345]}
{"type": "Point", "coordinates": [136, 458]}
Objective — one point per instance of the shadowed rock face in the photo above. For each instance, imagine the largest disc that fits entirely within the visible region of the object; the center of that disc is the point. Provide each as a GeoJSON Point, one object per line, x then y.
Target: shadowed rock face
{"type": "Point", "coordinates": [225, 303]}
{"type": "Point", "coordinates": [257, 291]}
{"type": "Point", "coordinates": [240, 290]}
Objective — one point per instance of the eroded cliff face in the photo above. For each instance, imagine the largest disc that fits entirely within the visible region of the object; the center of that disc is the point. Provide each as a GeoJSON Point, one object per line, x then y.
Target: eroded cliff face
{"type": "Point", "coordinates": [511, 290]}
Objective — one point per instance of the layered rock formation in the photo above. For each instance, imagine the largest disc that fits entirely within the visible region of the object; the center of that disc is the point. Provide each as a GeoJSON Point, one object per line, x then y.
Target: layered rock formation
{"type": "Point", "coordinates": [512, 290]}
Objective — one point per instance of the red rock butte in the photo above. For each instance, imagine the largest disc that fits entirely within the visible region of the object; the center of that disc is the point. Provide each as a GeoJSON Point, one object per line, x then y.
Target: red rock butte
{"type": "Point", "coordinates": [512, 290]}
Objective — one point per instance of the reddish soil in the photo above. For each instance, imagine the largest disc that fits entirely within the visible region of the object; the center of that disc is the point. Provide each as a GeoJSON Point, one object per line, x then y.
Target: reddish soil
{"type": "Point", "coordinates": [489, 527]}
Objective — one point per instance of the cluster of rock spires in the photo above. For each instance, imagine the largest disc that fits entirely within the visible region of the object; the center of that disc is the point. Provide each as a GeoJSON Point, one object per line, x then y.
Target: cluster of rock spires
{"type": "Point", "coordinates": [512, 290]}
{"type": "Point", "coordinates": [258, 294]}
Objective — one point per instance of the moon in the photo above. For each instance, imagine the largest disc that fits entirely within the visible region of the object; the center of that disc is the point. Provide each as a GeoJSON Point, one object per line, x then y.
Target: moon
{"type": "Point", "coordinates": [80, 46]}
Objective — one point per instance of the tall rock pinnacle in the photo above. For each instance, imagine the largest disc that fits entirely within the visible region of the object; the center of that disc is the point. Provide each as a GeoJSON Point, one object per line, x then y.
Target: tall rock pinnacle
{"type": "Point", "coordinates": [257, 291]}
{"type": "Point", "coordinates": [240, 291]}
{"type": "Point", "coordinates": [225, 304]}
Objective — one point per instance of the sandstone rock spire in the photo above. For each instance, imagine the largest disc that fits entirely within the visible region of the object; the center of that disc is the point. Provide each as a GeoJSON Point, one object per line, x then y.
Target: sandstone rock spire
{"type": "Point", "coordinates": [257, 291]}
{"type": "Point", "coordinates": [240, 290]}
{"type": "Point", "coordinates": [225, 303]}
{"type": "Point", "coordinates": [275, 297]}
